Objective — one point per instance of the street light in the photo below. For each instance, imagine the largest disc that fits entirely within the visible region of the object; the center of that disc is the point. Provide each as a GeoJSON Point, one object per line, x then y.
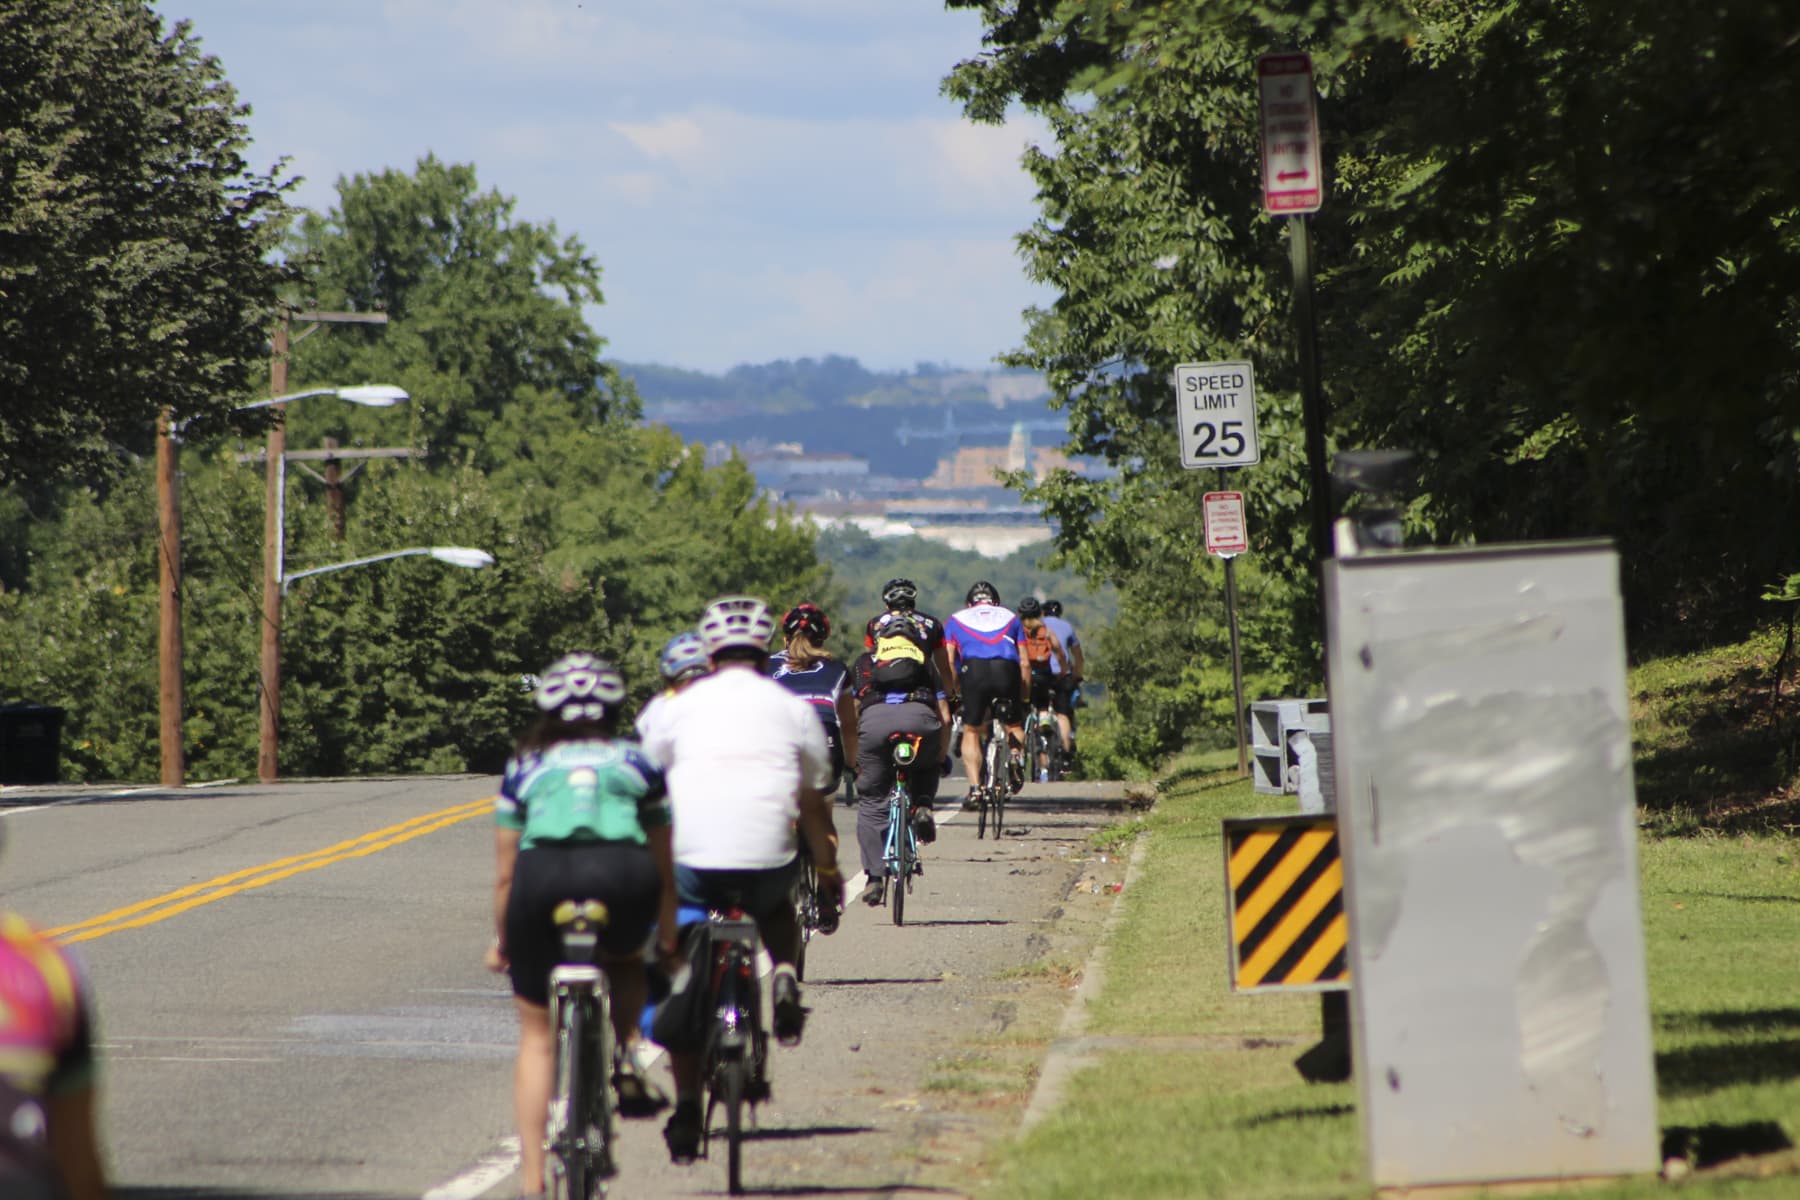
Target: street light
{"type": "Point", "coordinates": [456, 556]}
{"type": "Point", "coordinates": [269, 733]}
{"type": "Point", "coordinates": [171, 688]}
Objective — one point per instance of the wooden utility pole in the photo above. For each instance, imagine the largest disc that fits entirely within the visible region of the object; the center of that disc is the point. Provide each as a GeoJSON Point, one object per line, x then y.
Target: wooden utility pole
{"type": "Point", "coordinates": [268, 734]}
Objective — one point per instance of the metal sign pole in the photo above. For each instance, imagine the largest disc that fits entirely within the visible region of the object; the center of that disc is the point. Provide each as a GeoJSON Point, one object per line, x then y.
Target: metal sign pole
{"type": "Point", "coordinates": [1237, 659]}
{"type": "Point", "coordinates": [1312, 396]}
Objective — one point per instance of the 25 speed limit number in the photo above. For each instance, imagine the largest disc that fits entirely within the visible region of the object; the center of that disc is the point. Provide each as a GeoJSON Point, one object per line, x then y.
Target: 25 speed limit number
{"type": "Point", "coordinates": [1216, 410]}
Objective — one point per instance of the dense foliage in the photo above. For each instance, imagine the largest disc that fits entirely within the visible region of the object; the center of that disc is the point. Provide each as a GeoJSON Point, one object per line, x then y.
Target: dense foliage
{"type": "Point", "coordinates": [134, 269]}
{"type": "Point", "coordinates": [608, 534]}
{"type": "Point", "coordinates": [1558, 258]}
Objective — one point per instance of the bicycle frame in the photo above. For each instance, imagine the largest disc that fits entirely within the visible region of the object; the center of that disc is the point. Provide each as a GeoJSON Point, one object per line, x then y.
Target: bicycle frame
{"type": "Point", "coordinates": [735, 1056]}
{"type": "Point", "coordinates": [579, 1129]}
{"type": "Point", "coordinates": [900, 851]}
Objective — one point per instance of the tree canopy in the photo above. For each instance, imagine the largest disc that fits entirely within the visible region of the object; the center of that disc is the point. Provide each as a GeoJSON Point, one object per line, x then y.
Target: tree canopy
{"type": "Point", "coordinates": [1558, 258]}
{"type": "Point", "coordinates": [134, 242]}
{"type": "Point", "coordinates": [608, 534]}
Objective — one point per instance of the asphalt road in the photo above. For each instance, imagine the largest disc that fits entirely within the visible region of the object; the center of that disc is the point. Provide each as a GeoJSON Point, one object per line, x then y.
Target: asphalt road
{"type": "Point", "coordinates": [292, 1004]}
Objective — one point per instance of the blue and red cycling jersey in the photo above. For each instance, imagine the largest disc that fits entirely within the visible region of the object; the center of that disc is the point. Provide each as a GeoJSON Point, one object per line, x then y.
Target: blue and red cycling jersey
{"type": "Point", "coordinates": [986, 631]}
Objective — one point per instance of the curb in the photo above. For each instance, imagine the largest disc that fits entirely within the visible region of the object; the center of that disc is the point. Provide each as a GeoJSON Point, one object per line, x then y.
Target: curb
{"type": "Point", "coordinates": [1069, 1053]}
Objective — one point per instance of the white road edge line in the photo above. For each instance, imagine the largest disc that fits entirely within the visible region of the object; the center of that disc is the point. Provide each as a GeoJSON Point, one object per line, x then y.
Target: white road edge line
{"type": "Point", "coordinates": [494, 1167]}
{"type": "Point", "coordinates": [491, 1169]}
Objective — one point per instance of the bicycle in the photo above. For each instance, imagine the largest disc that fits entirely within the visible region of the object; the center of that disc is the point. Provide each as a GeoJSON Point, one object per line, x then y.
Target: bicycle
{"type": "Point", "coordinates": [809, 914]}
{"type": "Point", "coordinates": [900, 853]}
{"type": "Point", "coordinates": [579, 1134]}
{"type": "Point", "coordinates": [1043, 745]}
{"type": "Point", "coordinates": [999, 775]}
{"type": "Point", "coordinates": [735, 1054]}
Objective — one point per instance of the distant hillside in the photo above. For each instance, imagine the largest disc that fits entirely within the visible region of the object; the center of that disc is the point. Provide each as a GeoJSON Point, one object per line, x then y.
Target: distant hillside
{"type": "Point", "coordinates": [904, 421]}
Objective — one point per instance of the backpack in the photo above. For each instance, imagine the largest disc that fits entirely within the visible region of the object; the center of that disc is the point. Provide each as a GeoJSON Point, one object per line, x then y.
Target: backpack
{"type": "Point", "coordinates": [898, 662]}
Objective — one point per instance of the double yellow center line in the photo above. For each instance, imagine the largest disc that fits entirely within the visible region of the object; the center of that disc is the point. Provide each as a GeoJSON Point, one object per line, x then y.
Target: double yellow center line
{"type": "Point", "coordinates": [161, 908]}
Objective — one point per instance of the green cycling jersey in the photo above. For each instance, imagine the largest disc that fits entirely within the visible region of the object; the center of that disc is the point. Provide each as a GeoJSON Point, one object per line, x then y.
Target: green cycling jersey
{"type": "Point", "coordinates": [597, 790]}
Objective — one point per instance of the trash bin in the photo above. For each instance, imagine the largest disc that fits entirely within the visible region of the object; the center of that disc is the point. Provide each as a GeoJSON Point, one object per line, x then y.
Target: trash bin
{"type": "Point", "coordinates": [30, 743]}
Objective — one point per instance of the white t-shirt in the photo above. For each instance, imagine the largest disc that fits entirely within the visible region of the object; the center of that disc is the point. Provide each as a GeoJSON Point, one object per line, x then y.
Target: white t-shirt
{"type": "Point", "coordinates": [654, 712]}
{"type": "Point", "coordinates": [735, 748]}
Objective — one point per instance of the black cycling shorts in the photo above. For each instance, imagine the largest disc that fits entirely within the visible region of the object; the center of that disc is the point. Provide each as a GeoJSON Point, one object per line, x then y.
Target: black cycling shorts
{"type": "Point", "coordinates": [1043, 687]}
{"type": "Point", "coordinates": [620, 875]}
{"type": "Point", "coordinates": [987, 683]}
{"type": "Point", "coordinates": [1062, 695]}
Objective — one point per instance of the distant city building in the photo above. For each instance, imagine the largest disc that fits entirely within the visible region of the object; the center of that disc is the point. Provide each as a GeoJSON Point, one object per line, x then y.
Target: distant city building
{"type": "Point", "coordinates": [974, 466]}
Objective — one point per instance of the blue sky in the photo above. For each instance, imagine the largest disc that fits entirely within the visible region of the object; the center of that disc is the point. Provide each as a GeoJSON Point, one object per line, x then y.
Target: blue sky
{"type": "Point", "coordinates": [759, 179]}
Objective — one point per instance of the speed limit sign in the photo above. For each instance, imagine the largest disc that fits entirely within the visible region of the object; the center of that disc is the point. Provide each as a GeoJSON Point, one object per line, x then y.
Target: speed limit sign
{"type": "Point", "coordinates": [1215, 408]}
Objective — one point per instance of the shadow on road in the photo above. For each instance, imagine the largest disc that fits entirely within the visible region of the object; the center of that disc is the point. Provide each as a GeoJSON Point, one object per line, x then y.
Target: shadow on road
{"type": "Point", "coordinates": [795, 1133]}
{"type": "Point", "coordinates": [187, 1192]}
{"type": "Point", "coordinates": [868, 982]}
{"type": "Point", "coordinates": [977, 921]}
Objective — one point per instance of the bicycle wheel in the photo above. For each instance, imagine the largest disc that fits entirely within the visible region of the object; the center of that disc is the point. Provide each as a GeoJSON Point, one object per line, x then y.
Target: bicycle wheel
{"type": "Point", "coordinates": [995, 783]}
{"type": "Point", "coordinates": [1053, 752]}
{"type": "Point", "coordinates": [599, 1130]}
{"type": "Point", "coordinates": [568, 1101]}
{"type": "Point", "coordinates": [1000, 794]}
{"type": "Point", "coordinates": [736, 1073]}
{"type": "Point", "coordinates": [806, 907]}
{"type": "Point", "coordinates": [903, 852]}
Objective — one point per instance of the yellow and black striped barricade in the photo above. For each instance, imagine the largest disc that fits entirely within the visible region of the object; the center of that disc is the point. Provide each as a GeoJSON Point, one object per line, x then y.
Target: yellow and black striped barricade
{"type": "Point", "coordinates": [1285, 916]}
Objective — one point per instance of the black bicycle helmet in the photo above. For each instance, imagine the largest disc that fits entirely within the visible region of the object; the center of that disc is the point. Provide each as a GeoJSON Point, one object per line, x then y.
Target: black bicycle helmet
{"type": "Point", "coordinates": [809, 619]}
{"type": "Point", "coordinates": [1030, 607]}
{"type": "Point", "coordinates": [982, 587]}
{"type": "Point", "coordinates": [899, 593]}
{"type": "Point", "coordinates": [1053, 608]}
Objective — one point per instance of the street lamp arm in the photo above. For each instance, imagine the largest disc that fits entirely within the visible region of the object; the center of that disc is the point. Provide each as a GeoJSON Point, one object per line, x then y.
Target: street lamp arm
{"type": "Point", "coordinates": [459, 556]}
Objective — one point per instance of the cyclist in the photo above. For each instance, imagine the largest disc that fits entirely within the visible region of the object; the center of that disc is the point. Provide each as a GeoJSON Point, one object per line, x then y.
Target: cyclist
{"type": "Point", "coordinates": [901, 596]}
{"type": "Point", "coordinates": [683, 660]}
{"type": "Point", "coordinates": [581, 815]}
{"type": "Point", "coordinates": [1044, 653]}
{"type": "Point", "coordinates": [804, 667]}
{"type": "Point", "coordinates": [985, 641]}
{"type": "Point", "coordinates": [1062, 700]}
{"type": "Point", "coordinates": [898, 690]}
{"type": "Point", "coordinates": [49, 1146]}
{"type": "Point", "coordinates": [745, 760]}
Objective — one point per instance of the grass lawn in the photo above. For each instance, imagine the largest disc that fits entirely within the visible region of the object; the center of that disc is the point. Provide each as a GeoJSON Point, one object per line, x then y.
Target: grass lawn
{"type": "Point", "coordinates": [1200, 1098]}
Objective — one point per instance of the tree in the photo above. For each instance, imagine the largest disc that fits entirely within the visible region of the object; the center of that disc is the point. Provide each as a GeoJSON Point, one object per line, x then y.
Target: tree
{"type": "Point", "coordinates": [485, 311]}
{"type": "Point", "coordinates": [134, 269]}
{"type": "Point", "coordinates": [1545, 222]}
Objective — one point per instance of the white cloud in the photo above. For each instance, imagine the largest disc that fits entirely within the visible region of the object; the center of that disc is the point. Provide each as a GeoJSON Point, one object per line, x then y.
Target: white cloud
{"type": "Point", "coordinates": [677, 140]}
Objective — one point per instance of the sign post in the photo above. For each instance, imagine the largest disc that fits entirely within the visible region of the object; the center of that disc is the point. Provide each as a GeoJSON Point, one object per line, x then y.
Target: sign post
{"type": "Point", "coordinates": [1293, 185]}
{"type": "Point", "coordinates": [1228, 536]}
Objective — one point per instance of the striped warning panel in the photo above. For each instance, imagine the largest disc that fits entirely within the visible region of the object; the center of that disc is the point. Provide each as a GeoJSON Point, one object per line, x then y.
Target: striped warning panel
{"type": "Point", "coordinates": [1286, 883]}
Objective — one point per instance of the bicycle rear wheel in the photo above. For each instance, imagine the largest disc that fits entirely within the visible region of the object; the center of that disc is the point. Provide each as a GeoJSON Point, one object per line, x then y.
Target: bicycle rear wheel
{"type": "Point", "coordinates": [572, 1175]}
{"type": "Point", "coordinates": [903, 851]}
{"type": "Point", "coordinates": [736, 1079]}
{"type": "Point", "coordinates": [806, 907]}
{"type": "Point", "coordinates": [995, 783]}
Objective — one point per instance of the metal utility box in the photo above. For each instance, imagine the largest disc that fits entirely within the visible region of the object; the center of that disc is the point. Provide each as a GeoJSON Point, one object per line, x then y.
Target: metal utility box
{"type": "Point", "coordinates": [1278, 759]}
{"type": "Point", "coordinates": [1488, 824]}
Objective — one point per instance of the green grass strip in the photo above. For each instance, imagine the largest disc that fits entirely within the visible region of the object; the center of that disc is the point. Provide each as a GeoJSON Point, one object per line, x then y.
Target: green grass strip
{"type": "Point", "coordinates": [1200, 1098]}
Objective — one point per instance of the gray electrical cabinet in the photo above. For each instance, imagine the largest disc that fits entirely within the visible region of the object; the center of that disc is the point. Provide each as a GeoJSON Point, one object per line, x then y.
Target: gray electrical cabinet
{"type": "Point", "coordinates": [1488, 824]}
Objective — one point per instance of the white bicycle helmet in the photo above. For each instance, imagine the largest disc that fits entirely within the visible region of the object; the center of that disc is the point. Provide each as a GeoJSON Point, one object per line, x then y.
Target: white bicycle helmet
{"type": "Point", "coordinates": [580, 687]}
{"type": "Point", "coordinates": [733, 622]}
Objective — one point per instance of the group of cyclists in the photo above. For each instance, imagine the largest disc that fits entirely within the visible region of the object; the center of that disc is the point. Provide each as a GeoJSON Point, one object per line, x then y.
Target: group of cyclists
{"type": "Point", "coordinates": [729, 776]}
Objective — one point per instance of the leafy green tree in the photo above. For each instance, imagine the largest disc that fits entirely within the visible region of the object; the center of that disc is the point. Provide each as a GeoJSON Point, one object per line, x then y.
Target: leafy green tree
{"type": "Point", "coordinates": [134, 242]}
{"type": "Point", "coordinates": [485, 311]}
{"type": "Point", "coordinates": [1550, 231]}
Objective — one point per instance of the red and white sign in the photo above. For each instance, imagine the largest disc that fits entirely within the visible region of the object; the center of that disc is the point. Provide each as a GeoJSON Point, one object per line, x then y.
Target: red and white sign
{"type": "Point", "coordinates": [1292, 180]}
{"type": "Point", "coordinates": [1226, 533]}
